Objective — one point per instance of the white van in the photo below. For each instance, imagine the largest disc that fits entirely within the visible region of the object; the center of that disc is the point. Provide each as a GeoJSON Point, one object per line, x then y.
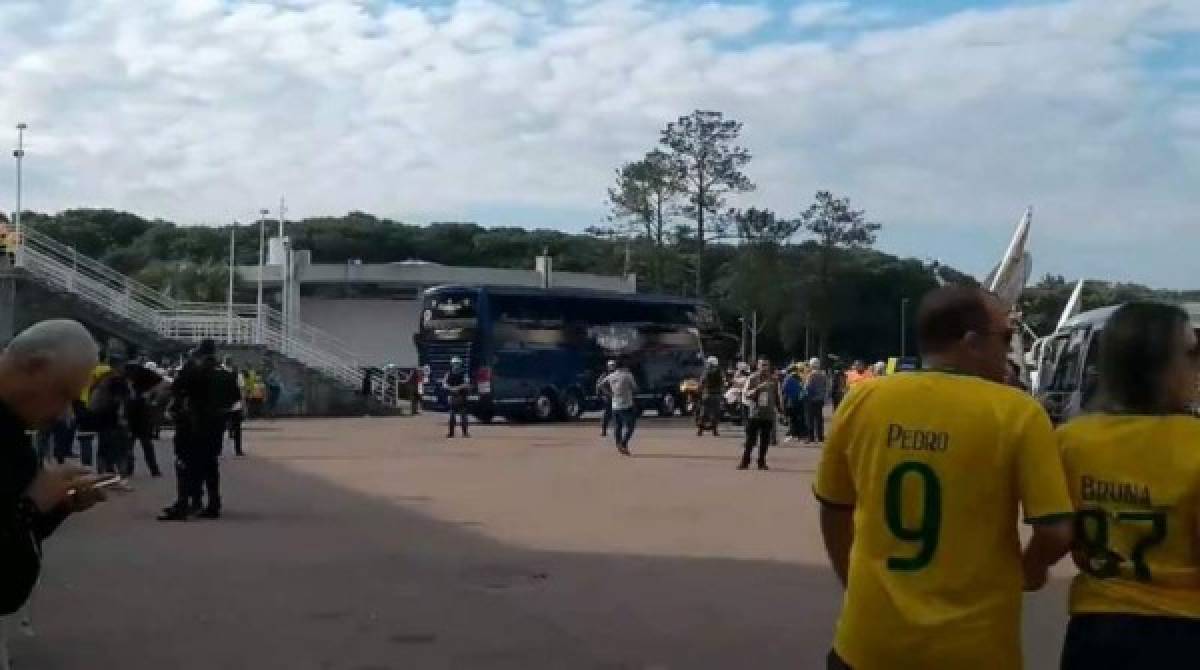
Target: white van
{"type": "Point", "coordinates": [1068, 371]}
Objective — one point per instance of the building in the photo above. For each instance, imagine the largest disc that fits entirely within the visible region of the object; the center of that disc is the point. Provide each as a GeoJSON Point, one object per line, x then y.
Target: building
{"type": "Point", "coordinates": [375, 308]}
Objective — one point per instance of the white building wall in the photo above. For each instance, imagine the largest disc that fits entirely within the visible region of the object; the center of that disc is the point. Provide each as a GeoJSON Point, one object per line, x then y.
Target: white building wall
{"type": "Point", "coordinates": [380, 331]}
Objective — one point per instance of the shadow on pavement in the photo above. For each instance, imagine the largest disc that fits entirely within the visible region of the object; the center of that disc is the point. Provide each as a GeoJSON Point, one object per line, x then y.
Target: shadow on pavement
{"type": "Point", "coordinates": [304, 574]}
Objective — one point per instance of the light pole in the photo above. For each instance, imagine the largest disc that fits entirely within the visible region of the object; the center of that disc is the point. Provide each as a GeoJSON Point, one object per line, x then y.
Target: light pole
{"type": "Point", "coordinates": [19, 155]}
{"type": "Point", "coordinates": [229, 295]}
{"type": "Point", "coordinates": [258, 304]}
{"type": "Point", "coordinates": [742, 338]}
{"type": "Point", "coordinates": [903, 327]}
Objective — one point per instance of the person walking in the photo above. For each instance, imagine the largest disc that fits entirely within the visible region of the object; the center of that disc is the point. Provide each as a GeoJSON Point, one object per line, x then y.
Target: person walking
{"type": "Point", "coordinates": [237, 413]}
{"type": "Point", "coordinates": [921, 484]}
{"type": "Point", "coordinates": [816, 390]}
{"type": "Point", "coordinates": [143, 381]}
{"type": "Point", "coordinates": [624, 390]}
{"type": "Point", "coordinates": [793, 403]}
{"type": "Point", "coordinates": [1133, 467]}
{"type": "Point", "coordinates": [712, 385]}
{"type": "Point", "coordinates": [457, 385]}
{"type": "Point", "coordinates": [763, 399]}
{"type": "Point", "coordinates": [605, 392]}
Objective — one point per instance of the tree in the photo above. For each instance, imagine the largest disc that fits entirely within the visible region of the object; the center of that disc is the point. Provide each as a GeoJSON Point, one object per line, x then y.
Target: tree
{"type": "Point", "coordinates": [644, 193]}
{"type": "Point", "coordinates": [758, 280]}
{"type": "Point", "coordinates": [708, 162]}
{"type": "Point", "coordinates": [836, 228]}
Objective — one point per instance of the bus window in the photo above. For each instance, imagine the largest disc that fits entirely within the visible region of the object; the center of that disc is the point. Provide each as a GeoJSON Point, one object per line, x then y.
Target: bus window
{"type": "Point", "coordinates": [1068, 369]}
{"type": "Point", "coordinates": [1091, 373]}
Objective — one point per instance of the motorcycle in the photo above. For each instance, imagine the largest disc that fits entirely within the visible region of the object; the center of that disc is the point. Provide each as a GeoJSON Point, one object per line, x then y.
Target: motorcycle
{"type": "Point", "coordinates": [689, 391]}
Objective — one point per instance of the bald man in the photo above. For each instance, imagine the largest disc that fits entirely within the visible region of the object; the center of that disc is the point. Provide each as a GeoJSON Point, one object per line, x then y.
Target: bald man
{"type": "Point", "coordinates": [42, 370]}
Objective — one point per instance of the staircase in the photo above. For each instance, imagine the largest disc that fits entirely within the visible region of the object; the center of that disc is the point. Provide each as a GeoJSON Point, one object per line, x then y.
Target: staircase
{"type": "Point", "coordinates": [59, 267]}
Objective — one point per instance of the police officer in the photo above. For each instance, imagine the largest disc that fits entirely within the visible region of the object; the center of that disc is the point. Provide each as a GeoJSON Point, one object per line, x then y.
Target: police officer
{"type": "Point", "coordinates": [457, 386]}
{"type": "Point", "coordinates": [712, 384]}
{"type": "Point", "coordinates": [204, 395]}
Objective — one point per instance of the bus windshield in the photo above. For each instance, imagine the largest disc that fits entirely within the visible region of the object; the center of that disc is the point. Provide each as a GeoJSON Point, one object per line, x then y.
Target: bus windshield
{"type": "Point", "coordinates": [450, 315]}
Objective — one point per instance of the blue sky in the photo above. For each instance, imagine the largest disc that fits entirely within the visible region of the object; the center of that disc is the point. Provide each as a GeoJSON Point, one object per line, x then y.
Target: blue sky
{"type": "Point", "coordinates": [942, 119]}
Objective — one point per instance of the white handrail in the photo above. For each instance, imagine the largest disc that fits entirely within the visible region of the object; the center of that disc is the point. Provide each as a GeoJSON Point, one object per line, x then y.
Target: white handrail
{"type": "Point", "coordinates": [60, 266]}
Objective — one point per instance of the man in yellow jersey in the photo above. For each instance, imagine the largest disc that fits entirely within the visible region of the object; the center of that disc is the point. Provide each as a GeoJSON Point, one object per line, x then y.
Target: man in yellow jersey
{"type": "Point", "coordinates": [920, 484]}
{"type": "Point", "coordinates": [1133, 468]}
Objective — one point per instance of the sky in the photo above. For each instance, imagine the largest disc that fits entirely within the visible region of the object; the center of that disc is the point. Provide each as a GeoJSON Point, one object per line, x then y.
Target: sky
{"type": "Point", "coordinates": [943, 119]}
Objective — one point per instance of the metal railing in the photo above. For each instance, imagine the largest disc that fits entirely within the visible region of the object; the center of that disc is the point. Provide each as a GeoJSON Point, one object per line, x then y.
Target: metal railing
{"type": "Point", "coordinates": [60, 266]}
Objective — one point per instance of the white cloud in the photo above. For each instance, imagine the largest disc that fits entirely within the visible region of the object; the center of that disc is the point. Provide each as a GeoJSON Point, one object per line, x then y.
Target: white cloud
{"type": "Point", "coordinates": [836, 14]}
{"type": "Point", "coordinates": [203, 111]}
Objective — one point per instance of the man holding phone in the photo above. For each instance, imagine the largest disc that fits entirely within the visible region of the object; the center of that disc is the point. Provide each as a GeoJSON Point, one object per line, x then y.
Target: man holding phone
{"type": "Point", "coordinates": [42, 370]}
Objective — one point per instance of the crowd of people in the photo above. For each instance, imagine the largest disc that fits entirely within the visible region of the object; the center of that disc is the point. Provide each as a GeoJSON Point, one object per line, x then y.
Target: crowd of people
{"type": "Point", "coordinates": [921, 481]}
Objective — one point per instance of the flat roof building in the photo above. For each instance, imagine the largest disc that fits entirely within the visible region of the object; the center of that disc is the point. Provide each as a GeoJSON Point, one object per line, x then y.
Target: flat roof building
{"type": "Point", "coordinates": [375, 308]}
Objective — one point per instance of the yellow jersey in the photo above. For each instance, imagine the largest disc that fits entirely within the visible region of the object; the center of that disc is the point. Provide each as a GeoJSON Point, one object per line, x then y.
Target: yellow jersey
{"type": "Point", "coordinates": [99, 372]}
{"type": "Point", "coordinates": [935, 465]}
{"type": "Point", "coordinates": [1135, 481]}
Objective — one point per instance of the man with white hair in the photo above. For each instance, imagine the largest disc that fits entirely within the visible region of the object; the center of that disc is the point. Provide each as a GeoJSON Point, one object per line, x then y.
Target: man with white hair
{"type": "Point", "coordinates": [816, 390]}
{"type": "Point", "coordinates": [42, 370]}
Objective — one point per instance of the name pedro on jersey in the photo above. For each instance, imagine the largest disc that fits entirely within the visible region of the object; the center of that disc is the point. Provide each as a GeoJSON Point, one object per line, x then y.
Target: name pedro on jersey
{"type": "Point", "coordinates": [915, 439]}
{"type": "Point", "coordinates": [1099, 490]}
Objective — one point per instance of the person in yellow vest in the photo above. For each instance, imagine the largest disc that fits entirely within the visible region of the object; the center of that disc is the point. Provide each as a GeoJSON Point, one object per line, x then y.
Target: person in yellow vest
{"type": "Point", "coordinates": [920, 484]}
{"type": "Point", "coordinates": [1133, 468]}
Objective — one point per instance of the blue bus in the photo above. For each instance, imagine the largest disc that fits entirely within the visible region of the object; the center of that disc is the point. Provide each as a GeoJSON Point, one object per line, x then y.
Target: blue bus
{"type": "Point", "coordinates": [535, 354]}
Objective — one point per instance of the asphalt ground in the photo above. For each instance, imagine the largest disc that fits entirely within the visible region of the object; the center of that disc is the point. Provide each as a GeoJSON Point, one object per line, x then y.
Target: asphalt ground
{"type": "Point", "coordinates": [364, 544]}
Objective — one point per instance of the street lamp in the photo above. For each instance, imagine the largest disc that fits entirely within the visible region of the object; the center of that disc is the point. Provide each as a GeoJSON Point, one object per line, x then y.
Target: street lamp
{"type": "Point", "coordinates": [19, 155]}
{"type": "Point", "coordinates": [903, 327]}
{"type": "Point", "coordinates": [262, 244]}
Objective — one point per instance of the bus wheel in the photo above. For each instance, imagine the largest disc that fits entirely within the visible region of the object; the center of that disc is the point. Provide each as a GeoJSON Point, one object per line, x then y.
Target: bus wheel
{"type": "Point", "coordinates": [667, 405]}
{"type": "Point", "coordinates": [573, 406]}
{"type": "Point", "coordinates": [485, 416]}
{"type": "Point", "coordinates": [543, 407]}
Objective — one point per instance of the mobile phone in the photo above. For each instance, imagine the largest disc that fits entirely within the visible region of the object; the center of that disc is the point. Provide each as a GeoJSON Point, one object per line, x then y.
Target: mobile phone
{"type": "Point", "coordinates": [105, 483]}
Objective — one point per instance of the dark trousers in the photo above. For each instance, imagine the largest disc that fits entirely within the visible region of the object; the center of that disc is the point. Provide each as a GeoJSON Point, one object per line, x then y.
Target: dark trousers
{"type": "Point", "coordinates": [235, 431]}
{"type": "Point", "coordinates": [797, 427]}
{"type": "Point", "coordinates": [211, 433]}
{"type": "Point", "coordinates": [607, 419]}
{"type": "Point", "coordinates": [815, 416]}
{"type": "Point", "coordinates": [708, 414]}
{"type": "Point", "coordinates": [835, 662]}
{"type": "Point", "coordinates": [113, 450]}
{"type": "Point", "coordinates": [188, 487]}
{"type": "Point", "coordinates": [836, 399]}
{"type": "Point", "coordinates": [64, 440]}
{"type": "Point", "coordinates": [458, 411]}
{"type": "Point", "coordinates": [757, 431]}
{"type": "Point", "coordinates": [626, 421]}
{"type": "Point", "coordinates": [145, 438]}
{"type": "Point", "coordinates": [1129, 642]}
{"type": "Point", "coordinates": [86, 440]}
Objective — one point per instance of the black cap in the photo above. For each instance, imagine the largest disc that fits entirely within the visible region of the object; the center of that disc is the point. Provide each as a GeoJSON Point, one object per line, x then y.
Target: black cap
{"type": "Point", "coordinates": [207, 348]}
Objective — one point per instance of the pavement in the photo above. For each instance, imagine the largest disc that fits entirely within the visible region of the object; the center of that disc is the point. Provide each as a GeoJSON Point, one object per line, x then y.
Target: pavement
{"type": "Point", "coordinates": [375, 543]}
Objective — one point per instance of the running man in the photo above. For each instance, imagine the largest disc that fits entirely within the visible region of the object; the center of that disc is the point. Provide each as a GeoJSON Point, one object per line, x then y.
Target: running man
{"type": "Point", "coordinates": [919, 485]}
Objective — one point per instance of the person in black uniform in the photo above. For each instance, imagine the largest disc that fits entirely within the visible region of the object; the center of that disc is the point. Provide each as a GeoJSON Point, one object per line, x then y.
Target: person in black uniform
{"type": "Point", "coordinates": [712, 389]}
{"type": "Point", "coordinates": [206, 393]}
{"type": "Point", "coordinates": [457, 385]}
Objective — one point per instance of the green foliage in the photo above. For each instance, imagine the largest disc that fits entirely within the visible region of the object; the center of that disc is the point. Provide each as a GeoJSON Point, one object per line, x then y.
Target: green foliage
{"type": "Point", "coordinates": [702, 147]}
{"type": "Point", "coordinates": [187, 281]}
